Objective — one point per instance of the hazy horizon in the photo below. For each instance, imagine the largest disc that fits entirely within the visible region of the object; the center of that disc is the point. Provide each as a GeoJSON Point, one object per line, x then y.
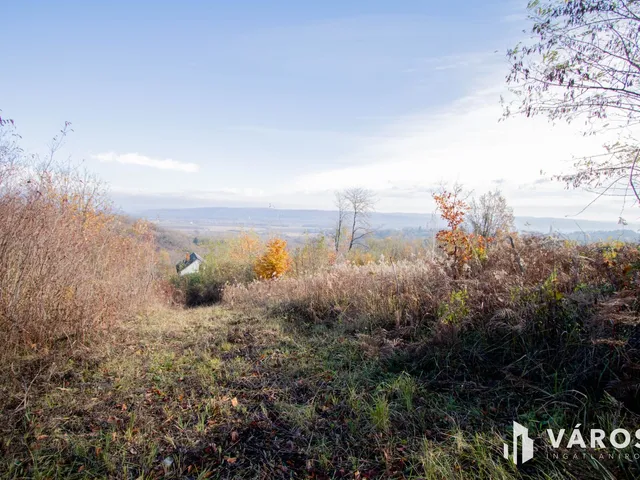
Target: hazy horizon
{"type": "Point", "coordinates": [324, 220]}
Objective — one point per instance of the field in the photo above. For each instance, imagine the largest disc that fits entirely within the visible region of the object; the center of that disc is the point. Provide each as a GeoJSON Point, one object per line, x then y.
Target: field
{"type": "Point", "coordinates": [215, 392]}
{"type": "Point", "coordinates": [398, 358]}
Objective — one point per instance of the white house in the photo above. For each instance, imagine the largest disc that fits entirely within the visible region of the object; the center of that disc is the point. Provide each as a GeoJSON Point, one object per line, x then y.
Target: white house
{"type": "Point", "coordinates": [191, 264]}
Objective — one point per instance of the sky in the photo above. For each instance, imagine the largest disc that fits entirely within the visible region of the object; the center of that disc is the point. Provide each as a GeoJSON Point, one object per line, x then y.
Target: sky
{"type": "Point", "coordinates": [253, 103]}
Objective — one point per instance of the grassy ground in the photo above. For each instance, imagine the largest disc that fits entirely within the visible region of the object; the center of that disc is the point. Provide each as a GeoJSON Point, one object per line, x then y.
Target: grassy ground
{"type": "Point", "coordinates": [215, 393]}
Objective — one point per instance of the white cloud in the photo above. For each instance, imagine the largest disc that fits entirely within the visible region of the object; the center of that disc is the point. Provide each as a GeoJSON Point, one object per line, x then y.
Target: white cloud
{"type": "Point", "coordinates": [137, 159]}
{"type": "Point", "coordinates": [194, 194]}
{"type": "Point", "coordinates": [466, 143]}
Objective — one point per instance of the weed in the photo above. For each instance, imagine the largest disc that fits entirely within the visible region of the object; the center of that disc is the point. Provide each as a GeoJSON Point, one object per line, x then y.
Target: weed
{"type": "Point", "coordinates": [379, 411]}
{"type": "Point", "coordinates": [455, 309]}
{"type": "Point", "coordinates": [405, 386]}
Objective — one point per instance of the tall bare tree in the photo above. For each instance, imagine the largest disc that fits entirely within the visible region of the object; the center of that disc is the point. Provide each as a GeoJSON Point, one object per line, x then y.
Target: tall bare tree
{"type": "Point", "coordinates": [584, 61]}
{"type": "Point", "coordinates": [361, 203]}
{"type": "Point", "coordinates": [490, 214]}
{"type": "Point", "coordinates": [342, 206]}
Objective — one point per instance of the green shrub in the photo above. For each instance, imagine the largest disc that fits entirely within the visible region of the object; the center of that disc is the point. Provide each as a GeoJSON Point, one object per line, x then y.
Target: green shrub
{"type": "Point", "coordinates": [229, 261]}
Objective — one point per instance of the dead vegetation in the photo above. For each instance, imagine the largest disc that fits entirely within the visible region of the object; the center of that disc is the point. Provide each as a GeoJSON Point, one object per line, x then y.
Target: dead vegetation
{"type": "Point", "coordinates": [381, 370]}
{"type": "Point", "coordinates": [68, 266]}
{"type": "Point", "coordinates": [220, 393]}
{"type": "Point", "coordinates": [517, 276]}
{"type": "Point", "coordinates": [541, 330]}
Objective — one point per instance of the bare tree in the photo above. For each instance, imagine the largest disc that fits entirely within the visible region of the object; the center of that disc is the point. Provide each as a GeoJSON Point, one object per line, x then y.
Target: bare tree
{"type": "Point", "coordinates": [342, 206]}
{"type": "Point", "coordinates": [361, 203]}
{"type": "Point", "coordinates": [584, 61]}
{"type": "Point", "coordinates": [490, 215]}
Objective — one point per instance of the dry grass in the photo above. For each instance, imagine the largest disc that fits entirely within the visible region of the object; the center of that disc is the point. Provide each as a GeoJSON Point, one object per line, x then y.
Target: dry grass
{"type": "Point", "coordinates": [384, 370]}
{"type": "Point", "coordinates": [216, 393]}
{"type": "Point", "coordinates": [376, 291]}
{"type": "Point", "coordinates": [507, 287]}
{"type": "Point", "coordinates": [542, 330]}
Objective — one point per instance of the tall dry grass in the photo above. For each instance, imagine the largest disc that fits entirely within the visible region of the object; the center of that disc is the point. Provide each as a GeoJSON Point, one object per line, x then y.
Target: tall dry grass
{"type": "Point", "coordinates": [506, 288]}
{"type": "Point", "coordinates": [68, 265]}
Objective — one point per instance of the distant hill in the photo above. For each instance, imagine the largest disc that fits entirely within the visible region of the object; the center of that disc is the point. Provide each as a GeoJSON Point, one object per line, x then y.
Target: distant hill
{"type": "Point", "coordinates": [175, 243]}
{"type": "Point", "coordinates": [565, 225]}
{"type": "Point", "coordinates": [274, 217]}
{"type": "Point", "coordinates": [320, 220]}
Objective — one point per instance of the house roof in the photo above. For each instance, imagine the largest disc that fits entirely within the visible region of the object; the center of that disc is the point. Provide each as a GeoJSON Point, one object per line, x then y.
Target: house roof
{"type": "Point", "coordinates": [193, 256]}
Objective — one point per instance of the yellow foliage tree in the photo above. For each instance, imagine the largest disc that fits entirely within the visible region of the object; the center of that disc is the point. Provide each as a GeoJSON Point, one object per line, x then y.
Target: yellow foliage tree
{"type": "Point", "coordinates": [246, 246]}
{"type": "Point", "coordinates": [275, 262]}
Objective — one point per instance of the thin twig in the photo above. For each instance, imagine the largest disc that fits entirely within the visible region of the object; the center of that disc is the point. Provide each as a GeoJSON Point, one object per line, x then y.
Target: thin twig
{"type": "Point", "coordinates": [633, 166]}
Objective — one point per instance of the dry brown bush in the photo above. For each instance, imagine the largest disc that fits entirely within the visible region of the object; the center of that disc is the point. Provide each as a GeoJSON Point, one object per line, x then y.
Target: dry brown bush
{"type": "Point", "coordinates": [68, 265]}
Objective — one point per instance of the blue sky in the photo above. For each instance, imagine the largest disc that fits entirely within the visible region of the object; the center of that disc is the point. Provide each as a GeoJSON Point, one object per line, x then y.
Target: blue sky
{"type": "Point", "coordinates": [250, 103]}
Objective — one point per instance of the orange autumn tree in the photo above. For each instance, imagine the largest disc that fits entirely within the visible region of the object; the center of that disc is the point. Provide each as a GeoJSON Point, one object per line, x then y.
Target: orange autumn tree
{"type": "Point", "coordinates": [459, 245]}
{"type": "Point", "coordinates": [275, 262]}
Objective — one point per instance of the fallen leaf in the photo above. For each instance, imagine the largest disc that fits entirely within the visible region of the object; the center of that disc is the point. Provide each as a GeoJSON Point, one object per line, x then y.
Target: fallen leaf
{"type": "Point", "coordinates": [234, 402]}
{"type": "Point", "coordinates": [234, 436]}
{"type": "Point", "coordinates": [231, 459]}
